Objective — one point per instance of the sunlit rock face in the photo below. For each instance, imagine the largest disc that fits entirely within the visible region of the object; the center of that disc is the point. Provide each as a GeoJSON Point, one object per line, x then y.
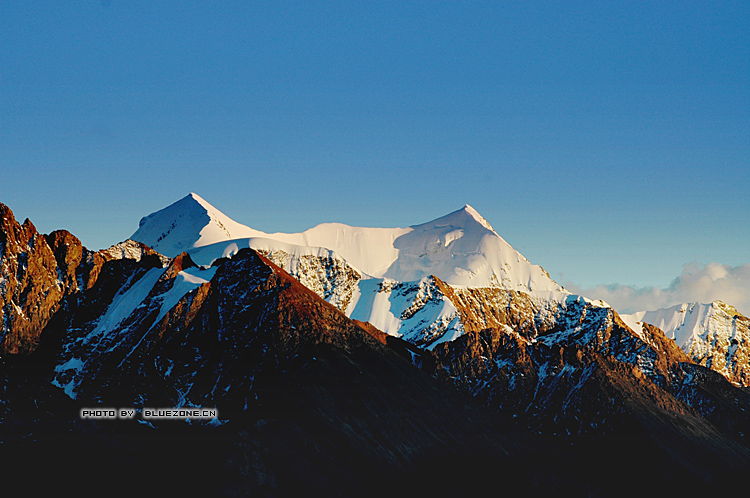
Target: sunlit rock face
{"type": "Point", "coordinates": [31, 284]}
{"type": "Point", "coordinates": [714, 335]}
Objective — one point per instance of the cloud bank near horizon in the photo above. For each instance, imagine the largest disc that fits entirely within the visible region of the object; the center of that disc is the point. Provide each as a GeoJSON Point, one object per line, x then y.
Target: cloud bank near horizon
{"type": "Point", "coordinates": [696, 283]}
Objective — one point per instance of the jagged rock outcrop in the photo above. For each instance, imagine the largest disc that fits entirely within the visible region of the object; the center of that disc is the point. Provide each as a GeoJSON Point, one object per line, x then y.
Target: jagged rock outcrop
{"type": "Point", "coordinates": [38, 274]}
{"type": "Point", "coordinates": [329, 277]}
{"type": "Point", "coordinates": [714, 335]}
{"type": "Point", "coordinates": [69, 254]}
{"type": "Point", "coordinates": [30, 291]}
{"type": "Point", "coordinates": [128, 249]}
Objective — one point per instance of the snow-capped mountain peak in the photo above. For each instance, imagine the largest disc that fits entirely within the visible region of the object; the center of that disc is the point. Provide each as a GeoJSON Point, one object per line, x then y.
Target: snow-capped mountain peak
{"type": "Point", "coordinates": [478, 217]}
{"type": "Point", "coordinates": [461, 248]}
{"type": "Point", "coordinates": [189, 223]}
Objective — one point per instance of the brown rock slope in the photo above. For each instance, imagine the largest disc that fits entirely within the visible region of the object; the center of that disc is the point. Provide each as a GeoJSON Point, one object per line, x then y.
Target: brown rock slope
{"type": "Point", "coordinates": [576, 370]}
{"type": "Point", "coordinates": [311, 402]}
{"type": "Point", "coordinates": [40, 275]}
{"type": "Point", "coordinates": [319, 402]}
{"type": "Point", "coordinates": [30, 292]}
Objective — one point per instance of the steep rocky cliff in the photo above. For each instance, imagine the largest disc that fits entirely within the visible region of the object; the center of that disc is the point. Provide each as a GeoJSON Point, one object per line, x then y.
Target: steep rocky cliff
{"type": "Point", "coordinates": [30, 291]}
{"type": "Point", "coordinates": [39, 274]}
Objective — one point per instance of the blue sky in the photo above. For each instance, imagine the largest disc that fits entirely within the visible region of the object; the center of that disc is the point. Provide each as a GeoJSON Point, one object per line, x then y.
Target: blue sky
{"type": "Point", "coordinates": [607, 141]}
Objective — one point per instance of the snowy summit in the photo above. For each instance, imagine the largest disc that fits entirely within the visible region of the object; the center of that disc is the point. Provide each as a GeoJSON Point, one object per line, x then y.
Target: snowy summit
{"type": "Point", "coordinates": [188, 223]}
{"type": "Point", "coordinates": [460, 248]}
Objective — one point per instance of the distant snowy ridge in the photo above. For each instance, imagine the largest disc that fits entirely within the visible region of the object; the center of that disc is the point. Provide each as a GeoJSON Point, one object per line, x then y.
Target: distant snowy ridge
{"type": "Point", "coordinates": [380, 275]}
{"type": "Point", "coordinates": [714, 335]}
{"type": "Point", "coordinates": [460, 248]}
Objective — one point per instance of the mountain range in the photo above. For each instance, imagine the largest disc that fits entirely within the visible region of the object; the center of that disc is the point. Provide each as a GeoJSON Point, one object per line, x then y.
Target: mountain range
{"type": "Point", "coordinates": [430, 354]}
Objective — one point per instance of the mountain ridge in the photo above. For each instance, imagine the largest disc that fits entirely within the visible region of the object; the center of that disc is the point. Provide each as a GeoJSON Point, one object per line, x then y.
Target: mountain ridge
{"type": "Point", "coordinates": [189, 222]}
{"type": "Point", "coordinates": [266, 334]}
{"type": "Point", "coordinates": [714, 335]}
{"type": "Point", "coordinates": [390, 296]}
{"type": "Point", "coordinates": [461, 247]}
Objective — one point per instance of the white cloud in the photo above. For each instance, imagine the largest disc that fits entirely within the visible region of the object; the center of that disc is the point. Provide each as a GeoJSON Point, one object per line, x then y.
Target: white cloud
{"type": "Point", "coordinates": [697, 283]}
